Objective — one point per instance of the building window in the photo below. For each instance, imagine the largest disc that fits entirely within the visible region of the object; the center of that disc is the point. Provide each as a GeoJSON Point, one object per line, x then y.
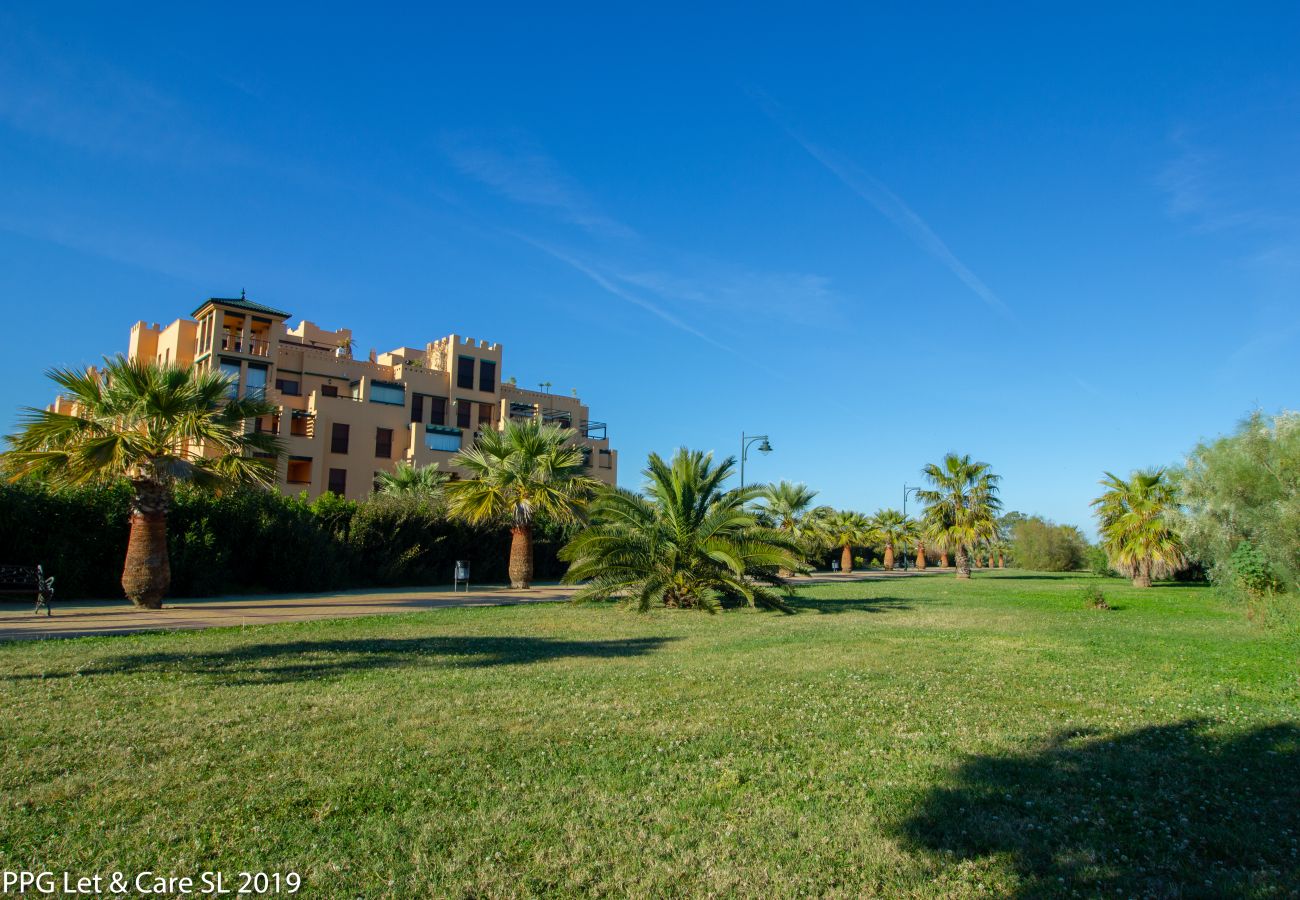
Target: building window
{"type": "Point", "coordinates": [300, 424]}
{"type": "Point", "coordinates": [417, 407]}
{"type": "Point", "coordinates": [385, 392]}
{"type": "Point", "coordinates": [230, 369]}
{"type": "Point", "coordinates": [339, 438]}
{"type": "Point", "coordinates": [329, 390]}
{"type": "Point", "coordinates": [437, 410]}
{"type": "Point", "coordinates": [338, 483]}
{"type": "Point", "coordinates": [487, 375]}
{"type": "Point", "coordinates": [256, 386]}
{"type": "Point", "coordinates": [440, 438]}
{"type": "Point", "coordinates": [463, 409]}
{"type": "Point", "coordinates": [604, 459]}
{"type": "Point", "coordinates": [465, 372]}
{"type": "Point", "coordinates": [486, 416]}
{"type": "Point", "coordinates": [299, 470]}
{"type": "Point", "coordinates": [288, 388]}
{"type": "Point", "coordinates": [586, 457]}
{"type": "Point", "coordinates": [383, 443]}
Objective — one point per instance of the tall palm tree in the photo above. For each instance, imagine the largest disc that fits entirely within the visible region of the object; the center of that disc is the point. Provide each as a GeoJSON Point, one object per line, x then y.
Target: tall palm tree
{"type": "Point", "coordinates": [153, 425]}
{"type": "Point", "coordinates": [1136, 528]}
{"type": "Point", "coordinates": [921, 561]}
{"type": "Point", "coordinates": [527, 470]}
{"type": "Point", "coordinates": [406, 480]}
{"type": "Point", "coordinates": [788, 507]}
{"type": "Point", "coordinates": [894, 530]}
{"type": "Point", "coordinates": [686, 543]}
{"type": "Point", "coordinates": [961, 505]}
{"type": "Point", "coordinates": [845, 529]}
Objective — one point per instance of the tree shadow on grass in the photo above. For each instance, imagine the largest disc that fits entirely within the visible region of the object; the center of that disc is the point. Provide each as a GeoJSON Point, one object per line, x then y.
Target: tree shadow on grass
{"type": "Point", "coordinates": [833, 605]}
{"type": "Point", "coordinates": [1166, 811]}
{"type": "Point", "coordinates": [270, 663]}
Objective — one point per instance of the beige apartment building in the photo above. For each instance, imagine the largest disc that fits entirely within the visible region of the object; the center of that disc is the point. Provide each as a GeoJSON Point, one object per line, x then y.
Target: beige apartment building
{"type": "Point", "coordinates": [342, 419]}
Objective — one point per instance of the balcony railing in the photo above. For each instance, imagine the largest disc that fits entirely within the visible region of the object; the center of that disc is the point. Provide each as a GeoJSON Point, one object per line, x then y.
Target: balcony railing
{"type": "Point", "coordinates": [235, 343]}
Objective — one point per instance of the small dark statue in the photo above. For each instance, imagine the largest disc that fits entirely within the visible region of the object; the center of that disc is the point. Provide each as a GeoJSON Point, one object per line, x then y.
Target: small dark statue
{"type": "Point", "coordinates": [44, 592]}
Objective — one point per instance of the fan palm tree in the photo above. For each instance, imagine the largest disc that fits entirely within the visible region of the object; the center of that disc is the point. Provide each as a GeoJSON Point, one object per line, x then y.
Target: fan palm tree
{"type": "Point", "coordinates": [1135, 519]}
{"type": "Point", "coordinates": [961, 505]}
{"type": "Point", "coordinates": [894, 530]}
{"type": "Point", "coordinates": [845, 529]}
{"type": "Point", "coordinates": [920, 547]}
{"type": "Point", "coordinates": [685, 544]}
{"type": "Point", "coordinates": [934, 533]}
{"type": "Point", "coordinates": [407, 480]}
{"type": "Point", "coordinates": [527, 470]}
{"type": "Point", "coordinates": [153, 425]}
{"type": "Point", "coordinates": [788, 507]}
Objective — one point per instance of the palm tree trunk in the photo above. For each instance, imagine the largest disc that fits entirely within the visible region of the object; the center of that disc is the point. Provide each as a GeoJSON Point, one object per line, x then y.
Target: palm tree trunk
{"type": "Point", "coordinates": [1002, 561]}
{"type": "Point", "coordinates": [963, 563]}
{"type": "Point", "coordinates": [889, 557]}
{"type": "Point", "coordinates": [920, 556]}
{"type": "Point", "coordinates": [1142, 574]}
{"type": "Point", "coordinates": [943, 560]}
{"type": "Point", "coordinates": [521, 556]}
{"type": "Point", "coordinates": [846, 559]}
{"type": "Point", "coordinates": [147, 573]}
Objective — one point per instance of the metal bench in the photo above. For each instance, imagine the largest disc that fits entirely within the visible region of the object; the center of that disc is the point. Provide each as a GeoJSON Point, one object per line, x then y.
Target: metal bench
{"type": "Point", "coordinates": [15, 579]}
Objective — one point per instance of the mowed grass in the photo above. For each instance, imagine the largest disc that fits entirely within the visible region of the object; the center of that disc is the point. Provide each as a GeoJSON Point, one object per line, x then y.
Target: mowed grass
{"type": "Point", "coordinates": [909, 737]}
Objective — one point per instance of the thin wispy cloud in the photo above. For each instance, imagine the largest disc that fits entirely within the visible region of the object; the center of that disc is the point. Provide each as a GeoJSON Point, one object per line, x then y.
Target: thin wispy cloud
{"type": "Point", "coordinates": [611, 286]}
{"type": "Point", "coordinates": [890, 205]}
{"type": "Point", "coordinates": [656, 279]}
{"type": "Point", "coordinates": [95, 106]}
{"type": "Point", "coordinates": [161, 255]}
{"type": "Point", "coordinates": [787, 296]}
{"type": "Point", "coordinates": [1198, 187]}
{"type": "Point", "coordinates": [526, 175]}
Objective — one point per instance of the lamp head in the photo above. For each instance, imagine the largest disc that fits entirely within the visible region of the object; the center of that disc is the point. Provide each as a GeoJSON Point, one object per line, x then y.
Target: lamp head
{"type": "Point", "coordinates": [765, 447]}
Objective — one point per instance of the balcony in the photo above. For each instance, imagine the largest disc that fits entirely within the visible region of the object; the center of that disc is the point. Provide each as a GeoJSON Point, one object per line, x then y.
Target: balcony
{"type": "Point", "coordinates": [594, 431]}
{"type": "Point", "coordinates": [302, 424]}
{"type": "Point", "coordinates": [253, 346]}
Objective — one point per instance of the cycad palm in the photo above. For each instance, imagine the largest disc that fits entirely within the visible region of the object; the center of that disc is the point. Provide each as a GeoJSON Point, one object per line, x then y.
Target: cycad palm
{"type": "Point", "coordinates": [894, 530]}
{"type": "Point", "coordinates": [153, 425]}
{"type": "Point", "coordinates": [686, 543]}
{"type": "Point", "coordinates": [845, 529]}
{"type": "Point", "coordinates": [1136, 532]}
{"type": "Point", "coordinates": [961, 505]}
{"type": "Point", "coordinates": [527, 470]}
{"type": "Point", "coordinates": [406, 480]}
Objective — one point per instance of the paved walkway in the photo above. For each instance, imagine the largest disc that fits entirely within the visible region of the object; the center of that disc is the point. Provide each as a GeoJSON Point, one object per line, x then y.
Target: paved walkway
{"type": "Point", "coordinates": [104, 617]}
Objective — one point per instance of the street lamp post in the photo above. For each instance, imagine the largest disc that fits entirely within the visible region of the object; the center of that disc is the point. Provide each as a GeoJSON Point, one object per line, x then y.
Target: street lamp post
{"type": "Point", "coordinates": [745, 440]}
{"type": "Point", "coordinates": [906, 490]}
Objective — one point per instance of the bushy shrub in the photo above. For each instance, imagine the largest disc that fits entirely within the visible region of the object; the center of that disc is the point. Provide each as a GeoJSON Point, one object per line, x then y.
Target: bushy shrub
{"type": "Point", "coordinates": [1242, 496]}
{"type": "Point", "coordinates": [1097, 562]}
{"type": "Point", "coordinates": [1093, 598]}
{"type": "Point", "coordinates": [1047, 547]}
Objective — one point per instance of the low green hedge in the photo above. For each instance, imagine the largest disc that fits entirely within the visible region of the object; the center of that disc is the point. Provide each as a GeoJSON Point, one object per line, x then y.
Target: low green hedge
{"type": "Point", "coordinates": [250, 541]}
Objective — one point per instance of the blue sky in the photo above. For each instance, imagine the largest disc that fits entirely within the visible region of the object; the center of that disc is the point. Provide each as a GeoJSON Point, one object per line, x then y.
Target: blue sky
{"type": "Point", "coordinates": [1062, 245]}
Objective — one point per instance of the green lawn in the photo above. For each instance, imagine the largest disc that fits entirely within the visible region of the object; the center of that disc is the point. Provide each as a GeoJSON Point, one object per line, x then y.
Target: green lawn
{"type": "Point", "coordinates": [918, 737]}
